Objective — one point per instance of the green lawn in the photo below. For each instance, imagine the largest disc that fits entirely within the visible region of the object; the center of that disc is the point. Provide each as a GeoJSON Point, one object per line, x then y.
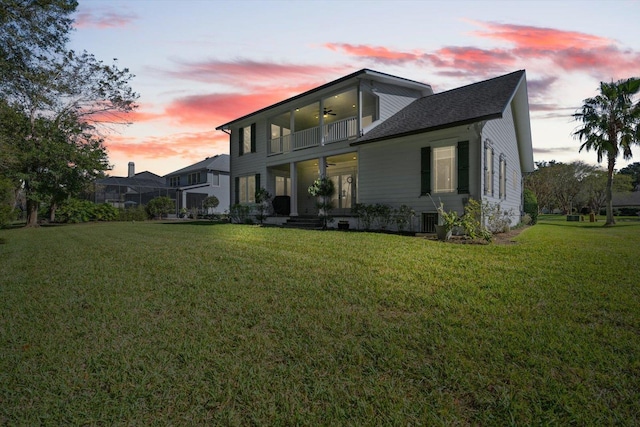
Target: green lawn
{"type": "Point", "coordinates": [183, 324]}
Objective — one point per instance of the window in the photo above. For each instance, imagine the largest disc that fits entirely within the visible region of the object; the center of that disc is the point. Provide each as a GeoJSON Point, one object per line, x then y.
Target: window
{"type": "Point", "coordinates": [283, 186]}
{"type": "Point", "coordinates": [446, 167]}
{"type": "Point", "coordinates": [174, 181]}
{"type": "Point", "coordinates": [444, 163]}
{"type": "Point", "coordinates": [247, 140]}
{"type": "Point", "coordinates": [488, 169]}
{"type": "Point", "coordinates": [246, 188]}
{"type": "Point", "coordinates": [502, 174]}
{"type": "Point", "coordinates": [194, 178]}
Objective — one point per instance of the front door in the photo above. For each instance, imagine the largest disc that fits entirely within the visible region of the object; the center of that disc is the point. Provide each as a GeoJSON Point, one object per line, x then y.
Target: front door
{"type": "Point", "coordinates": [343, 197]}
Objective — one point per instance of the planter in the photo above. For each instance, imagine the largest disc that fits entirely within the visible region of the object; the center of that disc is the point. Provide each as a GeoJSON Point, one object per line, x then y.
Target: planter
{"type": "Point", "coordinates": [343, 225]}
{"type": "Point", "coordinates": [443, 233]}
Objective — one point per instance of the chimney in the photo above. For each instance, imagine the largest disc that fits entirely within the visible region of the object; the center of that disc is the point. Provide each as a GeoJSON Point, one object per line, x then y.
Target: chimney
{"type": "Point", "coordinates": [132, 170]}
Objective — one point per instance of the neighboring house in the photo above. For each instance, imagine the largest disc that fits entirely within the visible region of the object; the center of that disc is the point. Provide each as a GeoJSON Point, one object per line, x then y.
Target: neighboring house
{"type": "Point", "coordinates": [131, 190]}
{"type": "Point", "coordinates": [630, 201]}
{"type": "Point", "coordinates": [385, 139]}
{"type": "Point", "coordinates": [209, 177]}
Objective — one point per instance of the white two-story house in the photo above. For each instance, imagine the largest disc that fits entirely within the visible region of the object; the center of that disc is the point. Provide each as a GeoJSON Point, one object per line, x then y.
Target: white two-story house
{"type": "Point", "coordinates": [386, 139]}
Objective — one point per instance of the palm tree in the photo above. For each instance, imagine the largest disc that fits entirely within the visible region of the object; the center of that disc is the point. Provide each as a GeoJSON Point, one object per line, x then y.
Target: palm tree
{"type": "Point", "coordinates": [610, 126]}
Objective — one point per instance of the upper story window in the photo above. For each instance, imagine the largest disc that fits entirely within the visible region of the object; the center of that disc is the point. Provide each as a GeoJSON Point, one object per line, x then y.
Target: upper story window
{"type": "Point", "coordinates": [247, 139]}
{"type": "Point", "coordinates": [174, 181]}
{"type": "Point", "coordinates": [215, 178]}
{"type": "Point", "coordinates": [195, 178]}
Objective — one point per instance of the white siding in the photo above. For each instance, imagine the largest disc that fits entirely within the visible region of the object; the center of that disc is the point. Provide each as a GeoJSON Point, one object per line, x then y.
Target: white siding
{"type": "Point", "coordinates": [502, 134]}
{"type": "Point", "coordinates": [389, 171]}
{"type": "Point", "coordinates": [392, 99]}
{"type": "Point", "coordinates": [248, 163]}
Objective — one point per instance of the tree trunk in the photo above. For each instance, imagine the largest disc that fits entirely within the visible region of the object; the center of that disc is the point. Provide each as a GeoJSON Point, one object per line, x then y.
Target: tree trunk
{"type": "Point", "coordinates": [611, 163]}
{"type": "Point", "coordinates": [52, 213]}
{"type": "Point", "coordinates": [32, 213]}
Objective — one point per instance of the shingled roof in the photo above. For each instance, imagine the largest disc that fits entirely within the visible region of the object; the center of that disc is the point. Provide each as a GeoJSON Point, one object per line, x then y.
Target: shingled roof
{"type": "Point", "coordinates": [484, 100]}
{"type": "Point", "coordinates": [219, 162]}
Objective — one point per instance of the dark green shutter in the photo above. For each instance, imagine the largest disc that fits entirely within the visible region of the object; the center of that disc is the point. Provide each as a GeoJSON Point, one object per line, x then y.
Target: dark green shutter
{"type": "Point", "coordinates": [236, 189]}
{"type": "Point", "coordinates": [253, 137]}
{"type": "Point", "coordinates": [425, 171]}
{"type": "Point", "coordinates": [463, 167]}
{"type": "Point", "coordinates": [241, 142]}
{"type": "Point", "coordinates": [257, 182]}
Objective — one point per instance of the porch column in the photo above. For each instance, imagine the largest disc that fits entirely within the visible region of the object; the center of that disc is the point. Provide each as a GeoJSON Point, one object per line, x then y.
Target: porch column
{"type": "Point", "coordinates": [184, 199]}
{"type": "Point", "coordinates": [322, 167]}
{"type": "Point", "coordinates": [293, 174]}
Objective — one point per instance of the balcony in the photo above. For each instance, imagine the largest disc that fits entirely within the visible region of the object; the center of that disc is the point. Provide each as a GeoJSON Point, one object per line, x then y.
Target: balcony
{"type": "Point", "coordinates": [339, 130]}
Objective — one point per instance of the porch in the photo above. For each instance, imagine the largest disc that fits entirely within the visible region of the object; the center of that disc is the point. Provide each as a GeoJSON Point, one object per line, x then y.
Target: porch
{"type": "Point", "coordinates": [292, 180]}
{"type": "Point", "coordinates": [336, 131]}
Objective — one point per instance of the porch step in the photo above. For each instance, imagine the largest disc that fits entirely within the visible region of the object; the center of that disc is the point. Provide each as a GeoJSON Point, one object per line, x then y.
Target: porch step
{"type": "Point", "coordinates": [305, 222]}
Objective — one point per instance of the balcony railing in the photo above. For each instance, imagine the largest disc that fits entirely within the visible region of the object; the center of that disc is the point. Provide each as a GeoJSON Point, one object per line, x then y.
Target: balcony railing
{"type": "Point", "coordinates": [331, 132]}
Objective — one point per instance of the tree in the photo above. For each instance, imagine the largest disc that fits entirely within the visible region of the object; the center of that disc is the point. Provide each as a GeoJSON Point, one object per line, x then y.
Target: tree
{"type": "Point", "coordinates": [323, 188]}
{"type": "Point", "coordinates": [633, 170]}
{"type": "Point", "coordinates": [541, 183]}
{"type": "Point", "coordinates": [210, 202]}
{"type": "Point", "coordinates": [610, 126]}
{"type": "Point", "coordinates": [53, 101]}
{"type": "Point", "coordinates": [557, 184]}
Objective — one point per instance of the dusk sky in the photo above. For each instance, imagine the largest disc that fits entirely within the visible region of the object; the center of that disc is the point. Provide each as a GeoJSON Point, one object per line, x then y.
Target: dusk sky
{"type": "Point", "coordinates": [200, 64]}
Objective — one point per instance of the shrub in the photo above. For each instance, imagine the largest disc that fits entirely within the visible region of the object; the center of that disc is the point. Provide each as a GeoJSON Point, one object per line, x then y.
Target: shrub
{"type": "Point", "coordinates": [531, 205]}
{"type": "Point", "coordinates": [105, 212]}
{"type": "Point", "coordinates": [403, 216]}
{"type": "Point", "coordinates": [160, 206]}
{"type": "Point", "coordinates": [366, 214]}
{"type": "Point", "coordinates": [470, 221]}
{"type": "Point", "coordinates": [263, 204]}
{"type": "Point", "coordinates": [239, 214]}
{"type": "Point", "coordinates": [75, 211]}
{"type": "Point", "coordinates": [382, 214]}
{"type": "Point", "coordinates": [498, 221]}
{"type": "Point", "coordinates": [137, 213]}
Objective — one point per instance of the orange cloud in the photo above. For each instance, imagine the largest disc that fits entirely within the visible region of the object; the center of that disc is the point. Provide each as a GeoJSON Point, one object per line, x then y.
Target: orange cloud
{"type": "Point", "coordinates": [92, 18]}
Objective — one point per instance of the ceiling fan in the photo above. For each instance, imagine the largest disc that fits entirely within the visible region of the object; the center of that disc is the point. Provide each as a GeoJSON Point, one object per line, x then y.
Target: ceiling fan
{"type": "Point", "coordinates": [328, 112]}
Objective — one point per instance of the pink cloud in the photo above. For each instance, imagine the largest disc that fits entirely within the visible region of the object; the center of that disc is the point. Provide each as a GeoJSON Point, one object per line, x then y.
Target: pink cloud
{"type": "Point", "coordinates": [540, 38]}
{"type": "Point", "coordinates": [92, 18]}
{"type": "Point", "coordinates": [250, 74]}
{"type": "Point", "coordinates": [375, 53]}
{"type": "Point", "coordinates": [188, 146]}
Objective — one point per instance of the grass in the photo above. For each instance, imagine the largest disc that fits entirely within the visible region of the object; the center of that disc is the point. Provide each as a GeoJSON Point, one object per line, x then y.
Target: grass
{"type": "Point", "coordinates": [190, 323]}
